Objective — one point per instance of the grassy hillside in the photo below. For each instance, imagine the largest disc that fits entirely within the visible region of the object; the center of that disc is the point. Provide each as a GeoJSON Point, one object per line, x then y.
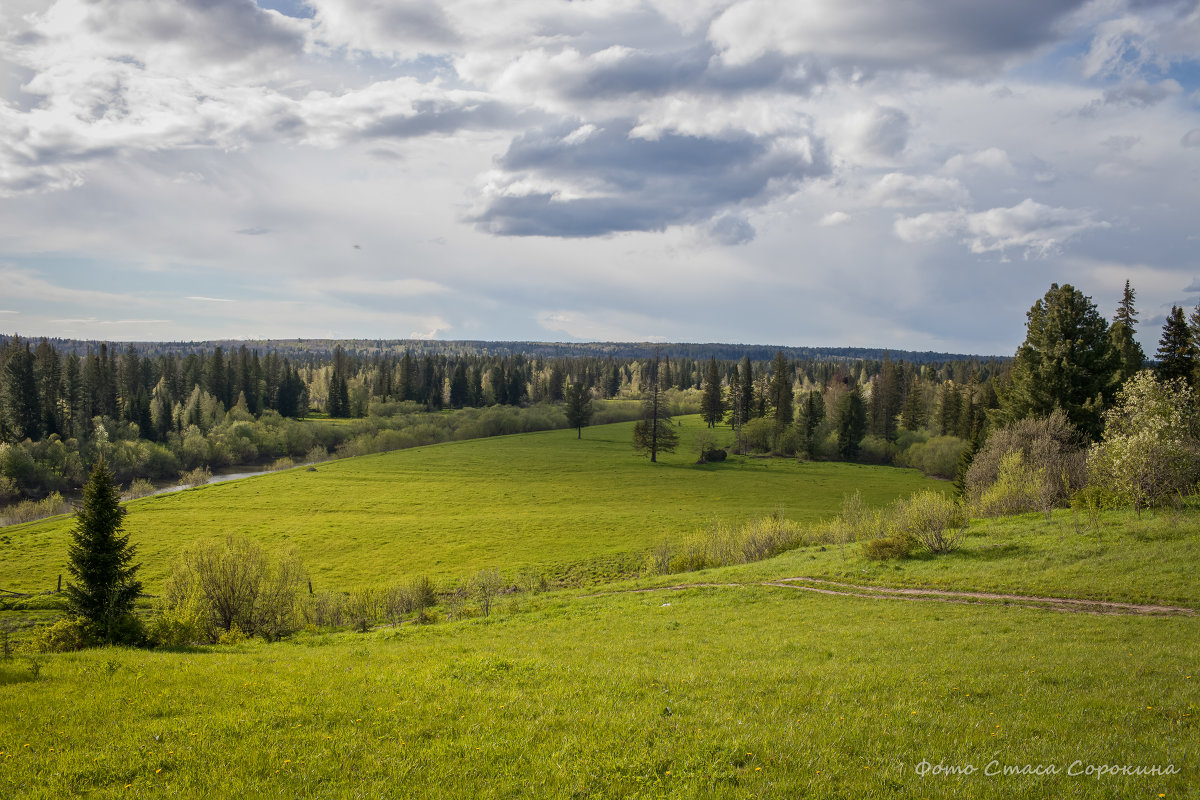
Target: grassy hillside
{"type": "Point", "coordinates": [542, 499]}
{"type": "Point", "coordinates": [718, 692]}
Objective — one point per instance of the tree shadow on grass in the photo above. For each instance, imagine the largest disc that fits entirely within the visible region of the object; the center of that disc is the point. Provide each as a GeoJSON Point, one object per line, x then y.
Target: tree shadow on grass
{"type": "Point", "coordinates": [994, 552]}
{"type": "Point", "coordinates": [15, 672]}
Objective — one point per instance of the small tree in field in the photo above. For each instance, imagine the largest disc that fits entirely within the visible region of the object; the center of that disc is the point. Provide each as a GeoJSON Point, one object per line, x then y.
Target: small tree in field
{"type": "Point", "coordinates": [1151, 446]}
{"type": "Point", "coordinates": [100, 559]}
{"type": "Point", "coordinates": [579, 407]}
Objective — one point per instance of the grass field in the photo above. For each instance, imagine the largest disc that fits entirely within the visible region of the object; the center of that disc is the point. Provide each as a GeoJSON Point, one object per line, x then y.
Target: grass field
{"type": "Point", "coordinates": [589, 507]}
{"type": "Point", "coordinates": [716, 692]}
{"type": "Point", "coordinates": [728, 690]}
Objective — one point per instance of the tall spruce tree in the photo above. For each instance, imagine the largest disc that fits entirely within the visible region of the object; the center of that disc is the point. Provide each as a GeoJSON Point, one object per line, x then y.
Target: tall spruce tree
{"type": "Point", "coordinates": [654, 432]}
{"type": "Point", "coordinates": [19, 401]}
{"type": "Point", "coordinates": [1176, 350]}
{"type": "Point", "coordinates": [1130, 355]}
{"type": "Point", "coordinates": [885, 401]}
{"type": "Point", "coordinates": [712, 407]}
{"type": "Point", "coordinates": [779, 392]}
{"type": "Point", "coordinates": [852, 423]}
{"type": "Point", "coordinates": [103, 583]}
{"type": "Point", "coordinates": [1066, 361]}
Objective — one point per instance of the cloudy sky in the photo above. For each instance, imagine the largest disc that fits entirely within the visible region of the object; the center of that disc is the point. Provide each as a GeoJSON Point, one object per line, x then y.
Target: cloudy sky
{"type": "Point", "coordinates": [900, 173]}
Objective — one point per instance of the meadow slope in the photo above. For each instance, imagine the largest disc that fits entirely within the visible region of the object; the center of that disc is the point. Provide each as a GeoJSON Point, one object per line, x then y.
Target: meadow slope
{"type": "Point", "coordinates": [545, 500]}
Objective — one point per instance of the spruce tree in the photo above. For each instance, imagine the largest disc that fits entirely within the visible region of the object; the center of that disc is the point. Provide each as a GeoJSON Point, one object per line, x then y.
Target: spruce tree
{"type": "Point", "coordinates": [655, 432]}
{"type": "Point", "coordinates": [19, 400]}
{"type": "Point", "coordinates": [1176, 351]}
{"type": "Point", "coordinates": [852, 424]}
{"type": "Point", "coordinates": [712, 407]}
{"type": "Point", "coordinates": [1066, 362]}
{"type": "Point", "coordinates": [779, 392]}
{"type": "Point", "coordinates": [579, 407]}
{"type": "Point", "coordinates": [1129, 351]}
{"type": "Point", "coordinates": [100, 559]}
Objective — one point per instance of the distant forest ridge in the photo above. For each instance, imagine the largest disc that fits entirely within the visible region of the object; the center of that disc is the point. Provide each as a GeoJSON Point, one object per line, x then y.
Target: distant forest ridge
{"type": "Point", "coordinates": [374, 347]}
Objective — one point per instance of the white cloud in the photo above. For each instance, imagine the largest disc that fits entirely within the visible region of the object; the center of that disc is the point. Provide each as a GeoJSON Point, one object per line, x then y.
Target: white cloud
{"type": "Point", "coordinates": [896, 190]}
{"type": "Point", "coordinates": [1036, 229]}
{"type": "Point", "coordinates": [833, 219]}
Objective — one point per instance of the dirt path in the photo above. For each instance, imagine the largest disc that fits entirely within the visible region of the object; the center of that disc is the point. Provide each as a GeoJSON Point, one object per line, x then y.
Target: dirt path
{"type": "Point", "coordinates": [822, 586]}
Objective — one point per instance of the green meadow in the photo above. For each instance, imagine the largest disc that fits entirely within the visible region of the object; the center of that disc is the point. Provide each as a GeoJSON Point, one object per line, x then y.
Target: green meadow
{"type": "Point", "coordinates": [709, 684]}
{"type": "Point", "coordinates": [581, 508]}
{"type": "Point", "coordinates": [746, 691]}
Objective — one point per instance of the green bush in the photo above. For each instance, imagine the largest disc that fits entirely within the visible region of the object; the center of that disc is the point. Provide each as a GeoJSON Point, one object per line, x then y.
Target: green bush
{"type": "Point", "coordinates": [932, 519]}
{"type": "Point", "coordinates": [890, 547]}
{"type": "Point", "coordinates": [65, 636]}
{"type": "Point", "coordinates": [937, 457]}
{"type": "Point", "coordinates": [1019, 487]}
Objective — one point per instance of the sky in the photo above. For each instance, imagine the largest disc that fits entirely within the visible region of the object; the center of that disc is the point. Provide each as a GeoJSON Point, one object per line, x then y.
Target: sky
{"type": "Point", "coordinates": [906, 174]}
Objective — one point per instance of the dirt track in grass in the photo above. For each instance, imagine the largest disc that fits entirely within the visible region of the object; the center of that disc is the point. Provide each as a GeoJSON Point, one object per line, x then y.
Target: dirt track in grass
{"type": "Point", "coordinates": [821, 586]}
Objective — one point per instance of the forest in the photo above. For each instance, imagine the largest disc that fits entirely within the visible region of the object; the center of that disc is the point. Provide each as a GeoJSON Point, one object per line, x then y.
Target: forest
{"type": "Point", "coordinates": [157, 411]}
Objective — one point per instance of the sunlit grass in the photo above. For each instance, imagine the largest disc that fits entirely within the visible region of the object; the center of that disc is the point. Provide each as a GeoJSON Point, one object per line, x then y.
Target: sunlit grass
{"type": "Point", "coordinates": [584, 509]}
{"type": "Point", "coordinates": [727, 692]}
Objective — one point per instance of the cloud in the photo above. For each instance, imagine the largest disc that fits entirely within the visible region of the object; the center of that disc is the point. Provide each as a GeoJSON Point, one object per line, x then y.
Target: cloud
{"type": "Point", "coordinates": [255, 231]}
{"type": "Point", "coordinates": [939, 36]}
{"type": "Point", "coordinates": [730, 229]}
{"type": "Point", "coordinates": [880, 132]}
{"type": "Point", "coordinates": [1134, 94]}
{"type": "Point", "coordinates": [897, 189]}
{"type": "Point", "coordinates": [399, 28]}
{"type": "Point", "coordinates": [1037, 229]}
{"type": "Point", "coordinates": [603, 325]}
{"type": "Point", "coordinates": [1193, 287]}
{"type": "Point", "coordinates": [1191, 138]}
{"type": "Point", "coordinates": [992, 158]}
{"type": "Point", "coordinates": [553, 182]}
{"type": "Point", "coordinates": [833, 219]}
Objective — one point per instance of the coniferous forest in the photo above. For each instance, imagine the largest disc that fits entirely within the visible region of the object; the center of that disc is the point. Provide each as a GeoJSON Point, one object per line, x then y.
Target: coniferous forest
{"type": "Point", "coordinates": [159, 411]}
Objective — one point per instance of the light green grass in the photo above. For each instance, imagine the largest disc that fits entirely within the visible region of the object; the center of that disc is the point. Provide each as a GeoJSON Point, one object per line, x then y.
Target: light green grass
{"type": "Point", "coordinates": [586, 508]}
{"type": "Point", "coordinates": [1148, 560]}
{"type": "Point", "coordinates": [738, 692]}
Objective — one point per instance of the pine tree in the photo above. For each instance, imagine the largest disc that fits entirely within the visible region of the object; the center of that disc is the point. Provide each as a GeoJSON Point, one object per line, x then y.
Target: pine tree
{"type": "Point", "coordinates": [100, 559]}
{"type": "Point", "coordinates": [712, 407]}
{"type": "Point", "coordinates": [654, 432]}
{"type": "Point", "coordinates": [1176, 351]}
{"type": "Point", "coordinates": [579, 407]}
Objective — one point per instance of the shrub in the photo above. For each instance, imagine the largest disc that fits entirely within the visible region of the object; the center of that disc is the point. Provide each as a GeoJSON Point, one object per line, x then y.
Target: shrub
{"type": "Point", "coordinates": [757, 434]}
{"type": "Point", "coordinates": [937, 457]}
{"type": "Point", "coordinates": [1151, 446]}
{"type": "Point", "coordinates": [195, 477]}
{"type": "Point", "coordinates": [1052, 452]}
{"type": "Point", "coordinates": [30, 510]}
{"type": "Point", "coordinates": [485, 585]}
{"type": "Point", "coordinates": [65, 636]}
{"type": "Point", "coordinates": [139, 488]}
{"type": "Point", "coordinates": [932, 519]}
{"type": "Point", "coordinates": [889, 547]}
{"type": "Point", "coordinates": [1018, 488]}
{"type": "Point", "coordinates": [238, 585]}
